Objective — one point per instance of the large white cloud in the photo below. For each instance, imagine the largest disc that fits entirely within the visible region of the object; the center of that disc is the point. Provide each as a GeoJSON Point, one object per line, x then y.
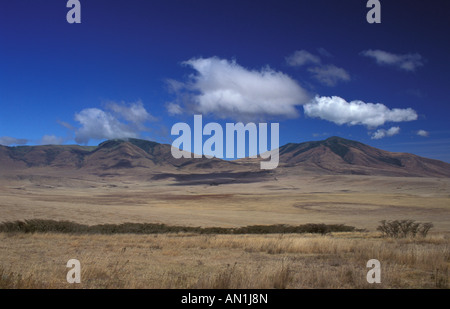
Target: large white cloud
{"type": "Point", "coordinates": [381, 133]}
{"type": "Point", "coordinates": [118, 121]}
{"type": "Point", "coordinates": [339, 111]}
{"type": "Point", "coordinates": [407, 62]}
{"type": "Point", "coordinates": [226, 89]}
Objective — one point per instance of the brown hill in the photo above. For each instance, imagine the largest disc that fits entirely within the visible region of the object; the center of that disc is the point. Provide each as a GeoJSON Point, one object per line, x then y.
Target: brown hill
{"type": "Point", "coordinates": [134, 158]}
{"type": "Point", "coordinates": [151, 160]}
{"type": "Point", "coordinates": [342, 156]}
{"type": "Point", "coordinates": [110, 155]}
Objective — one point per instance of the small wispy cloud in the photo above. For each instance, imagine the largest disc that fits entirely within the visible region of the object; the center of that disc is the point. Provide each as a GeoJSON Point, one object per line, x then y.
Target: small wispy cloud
{"type": "Point", "coordinates": [329, 75]}
{"type": "Point", "coordinates": [406, 62]}
{"type": "Point", "coordinates": [326, 74]}
{"type": "Point", "coordinates": [324, 52]}
{"type": "Point", "coordinates": [174, 109]}
{"type": "Point", "coordinates": [320, 134]}
{"type": "Point", "coordinates": [302, 57]}
{"type": "Point", "coordinates": [381, 133]}
{"type": "Point", "coordinates": [52, 140]}
{"type": "Point", "coordinates": [423, 133]}
{"type": "Point", "coordinates": [66, 125]}
{"type": "Point", "coordinates": [12, 141]}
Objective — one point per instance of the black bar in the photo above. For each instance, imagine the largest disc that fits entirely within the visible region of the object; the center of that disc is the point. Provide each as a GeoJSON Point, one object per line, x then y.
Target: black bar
{"type": "Point", "coordinates": [222, 298]}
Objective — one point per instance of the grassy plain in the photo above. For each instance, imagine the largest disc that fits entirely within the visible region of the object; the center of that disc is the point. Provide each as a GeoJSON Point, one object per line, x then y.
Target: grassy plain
{"type": "Point", "coordinates": [223, 261]}
{"type": "Point", "coordinates": [226, 261]}
{"type": "Point", "coordinates": [360, 201]}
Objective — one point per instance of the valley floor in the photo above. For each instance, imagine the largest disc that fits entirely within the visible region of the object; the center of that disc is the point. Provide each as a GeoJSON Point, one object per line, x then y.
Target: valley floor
{"type": "Point", "coordinates": [358, 201]}
{"type": "Point", "coordinates": [226, 261]}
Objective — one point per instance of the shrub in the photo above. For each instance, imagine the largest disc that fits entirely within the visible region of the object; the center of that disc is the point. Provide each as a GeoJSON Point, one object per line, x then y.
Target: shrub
{"type": "Point", "coordinates": [404, 228]}
{"type": "Point", "coordinates": [51, 226]}
{"type": "Point", "coordinates": [425, 228]}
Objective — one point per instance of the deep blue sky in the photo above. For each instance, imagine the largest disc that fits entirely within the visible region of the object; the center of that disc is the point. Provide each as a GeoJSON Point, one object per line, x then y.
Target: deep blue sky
{"type": "Point", "coordinates": [125, 53]}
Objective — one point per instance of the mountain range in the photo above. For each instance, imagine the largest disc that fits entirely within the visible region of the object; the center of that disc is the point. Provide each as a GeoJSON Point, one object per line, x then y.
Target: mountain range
{"type": "Point", "coordinates": [136, 157]}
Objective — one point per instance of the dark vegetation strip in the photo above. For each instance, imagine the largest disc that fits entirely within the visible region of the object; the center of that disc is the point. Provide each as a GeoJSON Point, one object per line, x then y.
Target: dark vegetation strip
{"type": "Point", "coordinates": [51, 226]}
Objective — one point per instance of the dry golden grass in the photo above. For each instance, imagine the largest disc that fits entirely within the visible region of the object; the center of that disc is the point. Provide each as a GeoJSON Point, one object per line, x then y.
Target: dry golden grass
{"type": "Point", "coordinates": [223, 261]}
{"type": "Point", "coordinates": [226, 261]}
{"type": "Point", "coordinates": [359, 201]}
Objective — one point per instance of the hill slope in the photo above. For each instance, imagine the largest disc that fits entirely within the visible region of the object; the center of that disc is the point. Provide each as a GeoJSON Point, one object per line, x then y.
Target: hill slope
{"type": "Point", "coordinates": [339, 155]}
{"type": "Point", "coordinates": [130, 157]}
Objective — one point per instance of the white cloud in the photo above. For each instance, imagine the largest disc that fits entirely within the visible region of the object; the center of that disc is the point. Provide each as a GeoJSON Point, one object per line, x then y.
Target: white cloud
{"type": "Point", "coordinates": [174, 85]}
{"type": "Point", "coordinates": [66, 125]}
{"type": "Point", "coordinates": [119, 121]}
{"type": "Point", "coordinates": [10, 141]}
{"type": "Point", "coordinates": [381, 133]}
{"type": "Point", "coordinates": [339, 111]}
{"type": "Point", "coordinates": [174, 109]}
{"type": "Point", "coordinates": [329, 75]}
{"type": "Point", "coordinates": [407, 62]}
{"type": "Point", "coordinates": [134, 112]}
{"type": "Point", "coordinates": [51, 140]}
{"type": "Point", "coordinates": [226, 89]}
{"type": "Point", "coordinates": [302, 57]}
{"type": "Point", "coordinates": [324, 52]}
{"type": "Point", "coordinates": [97, 124]}
{"type": "Point", "coordinates": [423, 133]}
{"type": "Point", "coordinates": [320, 134]}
